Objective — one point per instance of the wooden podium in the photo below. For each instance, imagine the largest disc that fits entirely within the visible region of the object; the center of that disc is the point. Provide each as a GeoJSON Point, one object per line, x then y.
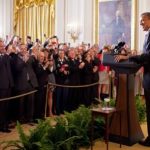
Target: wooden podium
{"type": "Point", "coordinates": [125, 102]}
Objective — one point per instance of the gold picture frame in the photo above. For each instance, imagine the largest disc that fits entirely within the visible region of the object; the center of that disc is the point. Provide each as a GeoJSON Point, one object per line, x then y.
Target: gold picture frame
{"type": "Point", "coordinates": [133, 37]}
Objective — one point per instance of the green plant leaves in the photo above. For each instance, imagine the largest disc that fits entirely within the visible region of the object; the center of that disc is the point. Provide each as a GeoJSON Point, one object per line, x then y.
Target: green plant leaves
{"type": "Point", "coordinates": [141, 108]}
{"type": "Point", "coordinates": [66, 133]}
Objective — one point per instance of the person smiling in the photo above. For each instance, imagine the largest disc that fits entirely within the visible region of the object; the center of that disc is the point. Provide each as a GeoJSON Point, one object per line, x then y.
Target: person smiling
{"type": "Point", "coordinates": [144, 60]}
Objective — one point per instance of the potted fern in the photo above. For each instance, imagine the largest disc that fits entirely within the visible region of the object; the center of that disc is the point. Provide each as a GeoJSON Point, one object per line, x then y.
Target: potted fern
{"type": "Point", "coordinates": [43, 137]}
{"type": "Point", "coordinates": [65, 133]}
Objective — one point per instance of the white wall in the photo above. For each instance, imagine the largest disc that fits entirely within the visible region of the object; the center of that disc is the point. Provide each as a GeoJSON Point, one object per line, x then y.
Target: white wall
{"type": "Point", "coordinates": [80, 11]}
{"type": "Point", "coordinates": [6, 17]}
{"type": "Point", "coordinates": [74, 12]}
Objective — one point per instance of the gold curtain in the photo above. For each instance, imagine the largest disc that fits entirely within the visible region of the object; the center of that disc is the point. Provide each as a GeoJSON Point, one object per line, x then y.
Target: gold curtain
{"type": "Point", "coordinates": [34, 18]}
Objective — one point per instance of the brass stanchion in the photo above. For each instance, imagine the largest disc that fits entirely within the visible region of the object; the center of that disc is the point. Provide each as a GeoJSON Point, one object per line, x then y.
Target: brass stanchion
{"type": "Point", "coordinates": [110, 86]}
{"type": "Point", "coordinates": [47, 91]}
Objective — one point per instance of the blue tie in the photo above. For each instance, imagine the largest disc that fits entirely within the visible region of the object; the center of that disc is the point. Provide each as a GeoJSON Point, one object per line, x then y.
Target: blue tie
{"type": "Point", "coordinates": [145, 43]}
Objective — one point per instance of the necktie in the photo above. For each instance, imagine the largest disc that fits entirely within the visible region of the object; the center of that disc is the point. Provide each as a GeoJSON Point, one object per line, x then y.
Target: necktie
{"type": "Point", "coordinates": [145, 43]}
{"type": "Point", "coordinates": [28, 78]}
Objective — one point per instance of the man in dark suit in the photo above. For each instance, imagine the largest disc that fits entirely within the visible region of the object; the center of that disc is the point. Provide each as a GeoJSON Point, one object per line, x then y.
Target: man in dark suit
{"type": "Point", "coordinates": [6, 83]}
{"type": "Point", "coordinates": [29, 42]}
{"type": "Point", "coordinates": [42, 71]}
{"type": "Point", "coordinates": [62, 72]}
{"type": "Point", "coordinates": [144, 60]}
{"type": "Point", "coordinates": [25, 81]}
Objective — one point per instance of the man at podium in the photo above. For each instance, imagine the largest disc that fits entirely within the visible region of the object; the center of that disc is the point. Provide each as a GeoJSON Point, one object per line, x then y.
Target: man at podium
{"type": "Point", "coordinates": [144, 60]}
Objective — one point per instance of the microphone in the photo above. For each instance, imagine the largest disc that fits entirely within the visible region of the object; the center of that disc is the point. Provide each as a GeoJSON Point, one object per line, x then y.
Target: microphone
{"type": "Point", "coordinates": [117, 49]}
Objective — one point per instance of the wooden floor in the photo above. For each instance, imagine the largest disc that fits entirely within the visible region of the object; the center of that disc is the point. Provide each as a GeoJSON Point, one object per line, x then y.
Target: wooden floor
{"type": "Point", "coordinates": [99, 145]}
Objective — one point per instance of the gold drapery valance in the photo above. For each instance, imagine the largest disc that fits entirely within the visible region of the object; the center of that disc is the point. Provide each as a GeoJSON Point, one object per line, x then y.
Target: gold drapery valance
{"type": "Point", "coordinates": [19, 4]}
{"type": "Point", "coordinates": [34, 18]}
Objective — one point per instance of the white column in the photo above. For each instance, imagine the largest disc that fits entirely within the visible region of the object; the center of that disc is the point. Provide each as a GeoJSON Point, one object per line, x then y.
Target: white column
{"type": "Point", "coordinates": [60, 19]}
{"type": "Point", "coordinates": [88, 21]}
{"type": "Point", "coordinates": [6, 17]}
{"type": "Point", "coordinates": [1, 18]}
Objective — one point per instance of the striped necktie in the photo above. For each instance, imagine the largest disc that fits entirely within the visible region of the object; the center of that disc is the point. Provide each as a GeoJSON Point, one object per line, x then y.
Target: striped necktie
{"type": "Point", "coordinates": [145, 43]}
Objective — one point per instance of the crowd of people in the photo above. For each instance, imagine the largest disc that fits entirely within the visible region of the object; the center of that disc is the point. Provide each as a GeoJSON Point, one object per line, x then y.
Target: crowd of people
{"type": "Point", "coordinates": [31, 66]}
{"type": "Point", "coordinates": [25, 67]}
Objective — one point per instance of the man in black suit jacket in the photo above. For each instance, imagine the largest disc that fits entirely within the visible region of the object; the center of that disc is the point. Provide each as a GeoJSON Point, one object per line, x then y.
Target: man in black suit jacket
{"type": "Point", "coordinates": [144, 60]}
{"type": "Point", "coordinates": [6, 83]}
{"type": "Point", "coordinates": [61, 74]}
{"type": "Point", "coordinates": [25, 81]}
